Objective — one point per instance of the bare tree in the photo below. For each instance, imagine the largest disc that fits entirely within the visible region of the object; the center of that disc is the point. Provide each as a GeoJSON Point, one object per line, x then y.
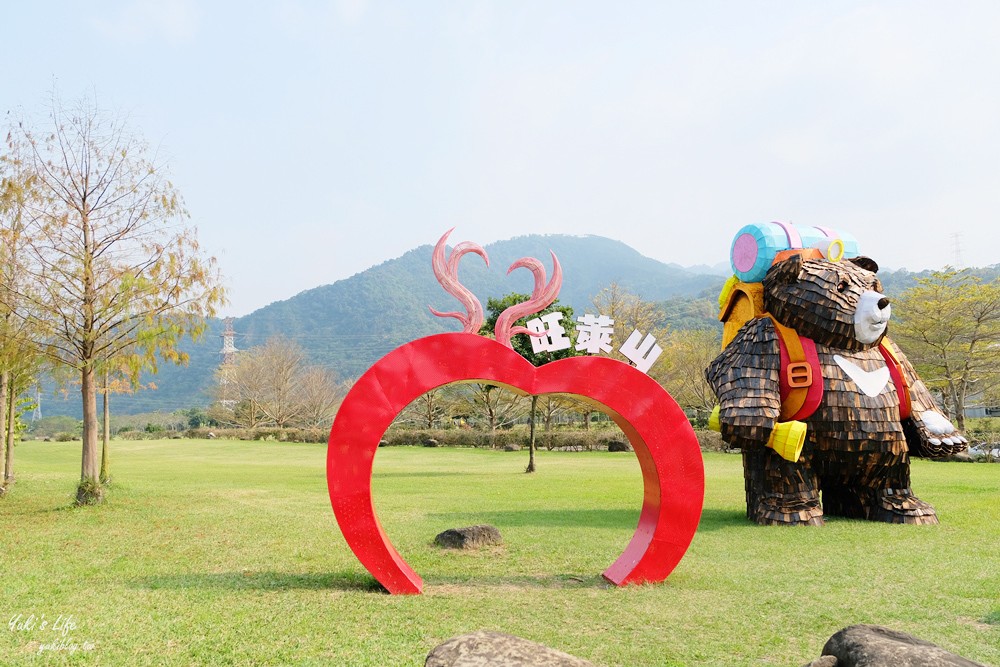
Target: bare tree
{"type": "Point", "coordinates": [551, 406]}
{"type": "Point", "coordinates": [113, 381]}
{"type": "Point", "coordinates": [681, 369]}
{"type": "Point", "coordinates": [239, 391]}
{"type": "Point", "coordinates": [497, 406]}
{"type": "Point", "coordinates": [426, 410]}
{"type": "Point", "coordinates": [115, 272]}
{"type": "Point", "coordinates": [629, 312]}
{"type": "Point", "coordinates": [271, 384]}
{"type": "Point", "coordinates": [284, 364]}
{"type": "Point", "coordinates": [320, 395]}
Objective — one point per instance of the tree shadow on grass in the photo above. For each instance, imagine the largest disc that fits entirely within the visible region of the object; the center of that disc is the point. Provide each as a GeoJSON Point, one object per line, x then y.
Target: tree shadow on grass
{"type": "Point", "coordinates": [720, 519]}
{"type": "Point", "coordinates": [264, 581]}
{"type": "Point", "coordinates": [580, 518]}
{"type": "Point", "coordinates": [359, 581]}
{"type": "Point", "coordinates": [376, 474]}
{"type": "Point", "coordinates": [442, 584]}
{"type": "Point", "coordinates": [711, 518]}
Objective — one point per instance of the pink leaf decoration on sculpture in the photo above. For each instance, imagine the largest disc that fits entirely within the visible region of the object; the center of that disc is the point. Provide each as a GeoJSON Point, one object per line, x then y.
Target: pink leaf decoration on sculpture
{"type": "Point", "coordinates": [446, 271]}
{"type": "Point", "coordinates": [542, 297]}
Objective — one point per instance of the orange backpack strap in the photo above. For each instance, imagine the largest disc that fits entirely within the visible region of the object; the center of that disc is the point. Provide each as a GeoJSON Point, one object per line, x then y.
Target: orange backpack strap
{"type": "Point", "coordinates": [800, 377]}
{"type": "Point", "coordinates": [898, 378]}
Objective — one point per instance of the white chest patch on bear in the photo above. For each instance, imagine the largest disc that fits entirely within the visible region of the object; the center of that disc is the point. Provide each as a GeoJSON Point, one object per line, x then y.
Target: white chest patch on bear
{"type": "Point", "coordinates": [871, 383]}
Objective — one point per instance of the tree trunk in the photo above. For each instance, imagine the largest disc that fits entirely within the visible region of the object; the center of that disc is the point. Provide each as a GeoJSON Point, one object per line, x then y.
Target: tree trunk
{"type": "Point", "coordinates": [950, 403]}
{"type": "Point", "coordinates": [963, 392]}
{"type": "Point", "coordinates": [531, 436]}
{"type": "Point", "coordinates": [548, 425]}
{"type": "Point", "coordinates": [105, 472]}
{"type": "Point", "coordinates": [4, 387]}
{"type": "Point", "coordinates": [8, 466]}
{"type": "Point", "coordinates": [89, 492]}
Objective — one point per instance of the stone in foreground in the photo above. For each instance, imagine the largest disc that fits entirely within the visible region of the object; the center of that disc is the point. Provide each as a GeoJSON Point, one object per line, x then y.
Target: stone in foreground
{"type": "Point", "coordinates": [876, 646]}
{"type": "Point", "coordinates": [470, 537]}
{"type": "Point", "coordinates": [485, 648]}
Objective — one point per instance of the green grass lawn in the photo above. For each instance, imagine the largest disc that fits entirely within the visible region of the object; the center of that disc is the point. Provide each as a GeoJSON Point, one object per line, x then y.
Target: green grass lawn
{"type": "Point", "coordinates": [227, 553]}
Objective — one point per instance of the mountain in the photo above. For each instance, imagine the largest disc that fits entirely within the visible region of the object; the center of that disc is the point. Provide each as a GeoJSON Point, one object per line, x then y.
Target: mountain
{"type": "Point", "coordinates": [351, 323]}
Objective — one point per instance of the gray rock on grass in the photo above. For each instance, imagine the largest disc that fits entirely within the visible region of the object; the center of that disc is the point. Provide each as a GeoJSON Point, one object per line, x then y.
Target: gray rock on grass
{"type": "Point", "coordinates": [485, 648]}
{"type": "Point", "coordinates": [876, 646]}
{"type": "Point", "coordinates": [470, 537]}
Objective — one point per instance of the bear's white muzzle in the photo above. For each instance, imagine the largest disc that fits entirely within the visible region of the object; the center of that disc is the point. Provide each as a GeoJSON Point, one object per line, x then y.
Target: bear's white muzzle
{"type": "Point", "coordinates": [871, 317]}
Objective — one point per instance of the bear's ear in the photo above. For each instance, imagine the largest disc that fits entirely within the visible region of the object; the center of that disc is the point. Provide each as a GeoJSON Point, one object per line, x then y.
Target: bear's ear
{"type": "Point", "coordinates": [866, 263]}
{"type": "Point", "coordinates": [786, 271]}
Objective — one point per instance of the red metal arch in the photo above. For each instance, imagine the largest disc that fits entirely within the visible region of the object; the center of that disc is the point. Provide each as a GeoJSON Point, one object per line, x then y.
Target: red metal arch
{"type": "Point", "coordinates": [668, 451]}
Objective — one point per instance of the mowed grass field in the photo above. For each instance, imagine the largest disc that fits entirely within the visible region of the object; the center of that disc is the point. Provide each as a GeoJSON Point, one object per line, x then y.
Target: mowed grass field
{"type": "Point", "coordinates": [227, 553]}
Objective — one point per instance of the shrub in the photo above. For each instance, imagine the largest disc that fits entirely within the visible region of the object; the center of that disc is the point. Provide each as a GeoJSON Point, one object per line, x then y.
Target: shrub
{"type": "Point", "coordinates": [315, 435]}
{"type": "Point", "coordinates": [711, 441]}
{"type": "Point", "coordinates": [558, 440]}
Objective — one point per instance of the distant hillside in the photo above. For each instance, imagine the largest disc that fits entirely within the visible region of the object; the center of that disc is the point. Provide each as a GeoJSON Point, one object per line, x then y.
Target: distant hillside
{"type": "Point", "coordinates": [178, 387]}
{"type": "Point", "coordinates": [351, 323]}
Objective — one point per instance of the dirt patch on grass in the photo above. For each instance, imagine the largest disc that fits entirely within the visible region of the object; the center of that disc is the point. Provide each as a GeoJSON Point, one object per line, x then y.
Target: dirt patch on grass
{"type": "Point", "coordinates": [515, 584]}
{"type": "Point", "coordinates": [975, 623]}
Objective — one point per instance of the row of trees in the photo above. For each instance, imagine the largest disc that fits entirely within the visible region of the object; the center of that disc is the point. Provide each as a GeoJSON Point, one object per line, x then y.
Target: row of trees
{"type": "Point", "coordinates": [492, 407]}
{"type": "Point", "coordinates": [273, 385]}
{"type": "Point", "coordinates": [101, 274]}
{"type": "Point", "coordinates": [948, 324]}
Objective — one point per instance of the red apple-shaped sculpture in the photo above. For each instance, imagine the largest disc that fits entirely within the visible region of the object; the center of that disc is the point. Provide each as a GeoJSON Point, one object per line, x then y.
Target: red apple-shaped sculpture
{"type": "Point", "coordinates": [668, 452]}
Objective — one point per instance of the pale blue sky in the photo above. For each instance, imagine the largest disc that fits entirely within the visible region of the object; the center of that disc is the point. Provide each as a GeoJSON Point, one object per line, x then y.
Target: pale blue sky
{"type": "Point", "coordinates": [313, 139]}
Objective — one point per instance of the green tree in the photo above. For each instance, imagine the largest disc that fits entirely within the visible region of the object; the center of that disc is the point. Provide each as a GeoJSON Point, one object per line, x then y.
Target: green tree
{"type": "Point", "coordinates": [197, 417]}
{"type": "Point", "coordinates": [49, 427]}
{"type": "Point", "coordinates": [522, 345]}
{"type": "Point", "coordinates": [948, 325]}
{"type": "Point", "coordinates": [116, 272]}
{"type": "Point", "coordinates": [113, 381]}
{"type": "Point", "coordinates": [19, 360]}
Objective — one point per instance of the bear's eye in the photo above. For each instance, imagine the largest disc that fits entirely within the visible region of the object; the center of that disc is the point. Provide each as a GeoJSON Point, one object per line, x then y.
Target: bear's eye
{"type": "Point", "coordinates": [842, 287]}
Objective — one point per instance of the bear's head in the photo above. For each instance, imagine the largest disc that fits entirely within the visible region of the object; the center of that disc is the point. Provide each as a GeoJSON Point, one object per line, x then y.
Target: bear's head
{"type": "Point", "coordinates": [838, 304]}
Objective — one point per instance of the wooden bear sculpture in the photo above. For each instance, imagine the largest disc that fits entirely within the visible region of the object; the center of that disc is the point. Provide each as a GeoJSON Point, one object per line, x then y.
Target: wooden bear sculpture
{"type": "Point", "coordinates": [848, 437]}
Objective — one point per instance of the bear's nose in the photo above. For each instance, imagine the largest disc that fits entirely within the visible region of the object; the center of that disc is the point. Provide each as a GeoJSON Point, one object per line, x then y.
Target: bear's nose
{"type": "Point", "coordinates": [882, 303]}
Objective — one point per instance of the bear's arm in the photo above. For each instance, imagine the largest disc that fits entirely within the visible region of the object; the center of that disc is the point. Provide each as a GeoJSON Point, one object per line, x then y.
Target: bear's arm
{"type": "Point", "coordinates": [928, 431]}
{"type": "Point", "coordinates": [744, 378]}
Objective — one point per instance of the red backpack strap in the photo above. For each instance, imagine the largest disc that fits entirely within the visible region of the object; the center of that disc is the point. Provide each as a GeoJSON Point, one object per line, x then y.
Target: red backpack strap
{"type": "Point", "coordinates": [898, 378]}
{"type": "Point", "coordinates": [800, 376]}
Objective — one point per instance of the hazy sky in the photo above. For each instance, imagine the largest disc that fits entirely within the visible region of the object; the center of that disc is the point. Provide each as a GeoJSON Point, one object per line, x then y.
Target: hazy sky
{"type": "Point", "coordinates": [313, 139]}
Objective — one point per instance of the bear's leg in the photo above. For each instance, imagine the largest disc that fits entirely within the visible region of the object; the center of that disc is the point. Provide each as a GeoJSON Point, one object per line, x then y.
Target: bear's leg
{"type": "Point", "coordinates": [780, 492]}
{"type": "Point", "coordinates": [839, 476]}
{"type": "Point", "coordinates": [888, 496]}
{"type": "Point", "coordinates": [839, 500]}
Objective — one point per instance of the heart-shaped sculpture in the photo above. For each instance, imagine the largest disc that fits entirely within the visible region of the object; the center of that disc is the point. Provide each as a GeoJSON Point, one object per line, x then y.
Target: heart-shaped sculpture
{"type": "Point", "coordinates": [663, 440]}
